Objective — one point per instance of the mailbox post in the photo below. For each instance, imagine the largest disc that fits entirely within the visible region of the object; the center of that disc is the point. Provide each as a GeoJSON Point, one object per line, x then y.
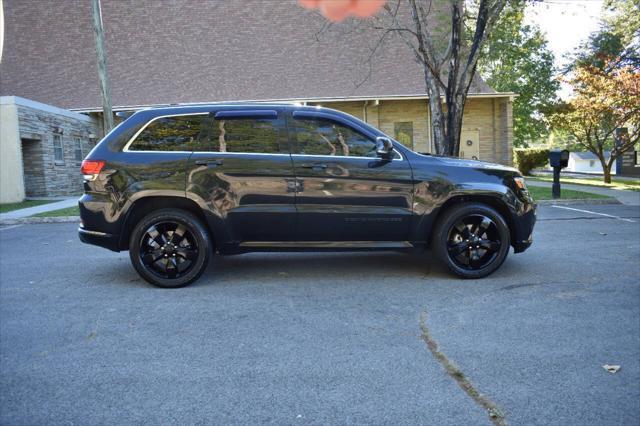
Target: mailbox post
{"type": "Point", "coordinates": [558, 159]}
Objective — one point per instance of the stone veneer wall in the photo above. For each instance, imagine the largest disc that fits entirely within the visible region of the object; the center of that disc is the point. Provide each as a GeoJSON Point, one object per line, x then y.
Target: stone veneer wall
{"type": "Point", "coordinates": [491, 117]}
{"type": "Point", "coordinates": [43, 175]}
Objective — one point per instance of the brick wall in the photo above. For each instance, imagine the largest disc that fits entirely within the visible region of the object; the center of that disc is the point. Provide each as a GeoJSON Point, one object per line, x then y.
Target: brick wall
{"type": "Point", "coordinates": [43, 175]}
{"type": "Point", "coordinates": [492, 118]}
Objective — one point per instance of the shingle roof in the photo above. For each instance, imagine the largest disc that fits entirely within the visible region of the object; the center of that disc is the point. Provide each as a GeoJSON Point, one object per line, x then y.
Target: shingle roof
{"type": "Point", "coordinates": [197, 51]}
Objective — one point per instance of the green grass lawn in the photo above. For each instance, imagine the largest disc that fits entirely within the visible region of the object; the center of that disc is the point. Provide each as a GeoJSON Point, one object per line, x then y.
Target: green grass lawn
{"type": "Point", "coordinates": [9, 207]}
{"type": "Point", "coordinates": [632, 185]}
{"type": "Point", "coordinates": [69, 211]}
{"type": "Point", "coordinates": [541, 193]}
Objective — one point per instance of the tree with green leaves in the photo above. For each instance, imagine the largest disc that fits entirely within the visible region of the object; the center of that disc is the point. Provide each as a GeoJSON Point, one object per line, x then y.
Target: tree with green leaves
{"type": "Point", "coordinates": [605, 101]}
{"type": "Point", "coordinates": [617, 40]}
{"type": "Point", "coordinates": [605, 77]}
{"type": "Point", "coordinates": [517, 59]}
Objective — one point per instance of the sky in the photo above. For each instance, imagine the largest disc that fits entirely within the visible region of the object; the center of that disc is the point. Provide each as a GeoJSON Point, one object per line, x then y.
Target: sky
{"type": "Point", "coordinates": [567, 24]}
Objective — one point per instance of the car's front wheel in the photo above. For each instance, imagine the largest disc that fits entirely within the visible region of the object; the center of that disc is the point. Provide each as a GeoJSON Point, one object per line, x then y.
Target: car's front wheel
{"type": "Point", "coordinates": [472, 240]}
{"type": "Point", "coordinates": [169, 248]}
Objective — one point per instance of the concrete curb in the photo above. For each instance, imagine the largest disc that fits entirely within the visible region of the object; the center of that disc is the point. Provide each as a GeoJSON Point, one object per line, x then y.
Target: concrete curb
{"type": "Point", "coordinates": [32, 220]}
{"type": "Point", "coordinates": [580, 201]}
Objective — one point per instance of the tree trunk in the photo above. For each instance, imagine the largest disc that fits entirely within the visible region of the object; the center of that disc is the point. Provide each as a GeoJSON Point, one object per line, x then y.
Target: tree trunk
{"type": "Point", "coordinates": [607, 174]}
{"type": "Point", "coordinates": [455, 111]}
{"type": "Point", "coordinates": [606, 168]}
{"type": "Point", "coordinates": [437, 115]}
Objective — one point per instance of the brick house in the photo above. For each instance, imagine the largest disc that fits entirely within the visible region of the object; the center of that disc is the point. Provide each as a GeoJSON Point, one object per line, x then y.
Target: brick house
{"type": "Point", "coordinates": [249, 50]}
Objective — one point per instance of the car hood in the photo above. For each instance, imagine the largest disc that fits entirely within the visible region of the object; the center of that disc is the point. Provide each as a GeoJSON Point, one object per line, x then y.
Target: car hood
{"type": "Point", "coordinates": [475, 164]}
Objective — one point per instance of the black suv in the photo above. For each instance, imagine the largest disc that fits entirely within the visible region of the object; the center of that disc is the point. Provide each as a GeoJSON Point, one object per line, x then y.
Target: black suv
{"type": "Point", "coordinates": [174, 184]}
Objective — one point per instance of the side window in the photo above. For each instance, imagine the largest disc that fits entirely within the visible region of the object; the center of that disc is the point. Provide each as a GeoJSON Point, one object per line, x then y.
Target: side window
{"type": "Point", "coordinates": [251, 135]}
{"type": "Point", "coordinates": [325, 137]}
{"type": "Point", "coordinates": [177, 133]}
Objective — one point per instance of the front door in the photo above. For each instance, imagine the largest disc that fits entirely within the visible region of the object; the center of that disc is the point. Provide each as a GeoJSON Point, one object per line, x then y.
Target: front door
{"type": "Point", "coordinates": [345, 192]}
{"type": "Point", "coordinates": [242, 170]}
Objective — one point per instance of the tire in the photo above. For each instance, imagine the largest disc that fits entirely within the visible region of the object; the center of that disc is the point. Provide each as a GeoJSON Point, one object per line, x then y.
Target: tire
{"type": "Point", "coordinates": [471, 239]}
{"type": "Point", "coordinates": [161, 258]}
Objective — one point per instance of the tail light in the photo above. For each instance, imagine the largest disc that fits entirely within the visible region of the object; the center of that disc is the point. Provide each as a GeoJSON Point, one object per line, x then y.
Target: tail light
{"type": "Point", "coordinates": [91, 168]}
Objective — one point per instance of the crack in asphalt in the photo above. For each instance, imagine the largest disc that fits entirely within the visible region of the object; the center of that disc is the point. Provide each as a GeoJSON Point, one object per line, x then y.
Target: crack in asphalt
{"type": "Point", "coordinates": [496, 415]}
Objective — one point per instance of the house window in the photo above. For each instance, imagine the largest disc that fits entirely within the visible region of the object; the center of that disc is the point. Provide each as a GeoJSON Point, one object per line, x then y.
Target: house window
{"type": "Point", "coordinates": [77, 150]}
{"type": "Point", "coordinates": [403, 132]}
{"type": "Point", "coordinates": [58, 152]}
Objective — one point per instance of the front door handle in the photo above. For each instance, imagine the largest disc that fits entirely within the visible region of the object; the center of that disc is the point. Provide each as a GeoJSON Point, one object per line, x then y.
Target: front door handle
{"type": "Point", "coordinates": [313, 166]}
{"type": "Point", "coordinates": [209, 163]}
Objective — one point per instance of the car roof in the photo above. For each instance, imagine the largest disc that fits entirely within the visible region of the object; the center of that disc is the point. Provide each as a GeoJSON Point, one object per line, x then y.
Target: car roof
{"type": "Point", "coordinates": [187, 108]}
{"type": "Point", "coordinates": [177, 109]}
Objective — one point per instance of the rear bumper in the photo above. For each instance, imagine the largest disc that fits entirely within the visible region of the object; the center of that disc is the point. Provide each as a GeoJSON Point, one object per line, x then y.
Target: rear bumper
{"type": "Point", "coordinates": [101, 239]}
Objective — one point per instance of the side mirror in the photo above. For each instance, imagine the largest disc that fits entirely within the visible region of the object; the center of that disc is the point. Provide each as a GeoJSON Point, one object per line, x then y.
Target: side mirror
{"type": "Point", "coordinates": [384, 147]}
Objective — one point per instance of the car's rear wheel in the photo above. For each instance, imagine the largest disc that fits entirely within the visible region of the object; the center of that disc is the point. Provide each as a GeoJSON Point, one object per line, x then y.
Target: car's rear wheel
{"type": "Point", "coordinates": [472, 240]}
{"type": "Point", "coordinates": [169, 248]}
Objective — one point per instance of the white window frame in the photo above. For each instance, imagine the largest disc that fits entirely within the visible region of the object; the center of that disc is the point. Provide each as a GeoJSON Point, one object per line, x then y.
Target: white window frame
{"type": "Point", "coordinates": [77, 147]}
{"type": "Point", "coordinates": [58, 136]}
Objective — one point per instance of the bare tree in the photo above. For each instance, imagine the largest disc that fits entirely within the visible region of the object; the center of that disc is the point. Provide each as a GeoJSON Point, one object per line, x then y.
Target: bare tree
{"type": "Point", "coordinates": [448, 67]}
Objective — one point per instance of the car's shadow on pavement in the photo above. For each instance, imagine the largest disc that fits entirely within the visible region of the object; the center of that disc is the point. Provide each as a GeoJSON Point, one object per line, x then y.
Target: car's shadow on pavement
{"type": "Point", "coordinates": [281, 267]}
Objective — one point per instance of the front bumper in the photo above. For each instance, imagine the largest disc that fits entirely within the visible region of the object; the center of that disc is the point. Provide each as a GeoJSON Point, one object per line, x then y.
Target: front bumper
{"type": "Point", "coordinates": [101, 239]}
{"type": "Point", "coordinates": [525, 223]}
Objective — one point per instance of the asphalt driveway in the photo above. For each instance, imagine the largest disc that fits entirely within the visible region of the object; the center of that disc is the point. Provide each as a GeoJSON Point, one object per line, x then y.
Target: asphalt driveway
{"type": "Point", "coordinates": [331, 338]}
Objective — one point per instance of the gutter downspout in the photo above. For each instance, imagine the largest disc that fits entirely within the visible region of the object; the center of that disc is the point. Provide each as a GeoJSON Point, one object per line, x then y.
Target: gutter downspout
{"type": "Point", "coordinates": [364, 111]}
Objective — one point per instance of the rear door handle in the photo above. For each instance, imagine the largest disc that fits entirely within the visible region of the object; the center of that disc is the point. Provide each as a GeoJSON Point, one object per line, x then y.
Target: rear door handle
{"type": "Point", "coordinates": [313, 166]}
{"type": "Point", "coordinates": [208, 163]}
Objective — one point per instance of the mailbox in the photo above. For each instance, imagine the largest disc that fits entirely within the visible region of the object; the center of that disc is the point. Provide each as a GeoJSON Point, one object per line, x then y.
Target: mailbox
{"type": "Point", "coordinates": [559, 158]}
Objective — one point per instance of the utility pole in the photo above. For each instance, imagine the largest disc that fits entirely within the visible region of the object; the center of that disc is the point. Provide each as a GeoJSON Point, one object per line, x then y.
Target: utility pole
{"type": "Point", "coordinates": [105, 89]}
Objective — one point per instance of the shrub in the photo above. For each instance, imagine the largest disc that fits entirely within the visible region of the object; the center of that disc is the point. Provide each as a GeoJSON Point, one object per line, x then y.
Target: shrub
{"type": "Point", "coordinates": [527, 159]}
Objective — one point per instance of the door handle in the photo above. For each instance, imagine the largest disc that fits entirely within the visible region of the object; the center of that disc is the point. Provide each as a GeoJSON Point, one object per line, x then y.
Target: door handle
{"type": "Point", "coordinates": [313, 166]}
{"type": "Point", "coordinates": [209, 163]}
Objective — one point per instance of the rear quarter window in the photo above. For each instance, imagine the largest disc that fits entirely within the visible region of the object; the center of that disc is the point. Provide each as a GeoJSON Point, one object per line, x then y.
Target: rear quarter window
{"type": "Point", "coordinates": [176, 133]}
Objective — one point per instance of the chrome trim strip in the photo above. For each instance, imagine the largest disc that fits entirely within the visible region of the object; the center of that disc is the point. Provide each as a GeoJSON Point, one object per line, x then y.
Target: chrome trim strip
{"type": "Point", "coordinates": [133, 138]}
{"type": "Point", "coordinates": [350, 157]}
{"type": "Point", "coordinates": [161, 152]}
{"type": "Point", "coordinates": [214, 153]}
{"type": "Point", "coordinates": [327, 244]}
{"type": "Point", "coordinates": [96, 233]}
{"type": "Point", "coordinates": [126, 147]}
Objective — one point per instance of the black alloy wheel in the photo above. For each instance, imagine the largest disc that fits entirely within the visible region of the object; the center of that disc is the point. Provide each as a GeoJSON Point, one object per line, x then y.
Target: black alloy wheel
{"type": "Point", "coordinates": [473, 242]}
{"type": "Point", "coordinates": [471, 239]}
{"type": "Point", "coordinates": [169, 248]}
